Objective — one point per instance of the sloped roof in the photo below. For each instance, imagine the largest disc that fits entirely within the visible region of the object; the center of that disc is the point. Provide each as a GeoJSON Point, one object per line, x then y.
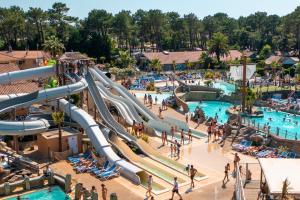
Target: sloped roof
{"type": "Point", "coordinates": [4, 68]}
{"type": "Point", "coordinates": [18, 55]}
{"type": "Point", "coordinates": [178, 57]}
{"type": "Point", "coordinates": [182, 56]}
{"type": "Point", "coordinates": [18, 86]}
{"type": "Point", "coordinates": [73, 56]}
{"type": "Point", "coordinates": [273, 58]}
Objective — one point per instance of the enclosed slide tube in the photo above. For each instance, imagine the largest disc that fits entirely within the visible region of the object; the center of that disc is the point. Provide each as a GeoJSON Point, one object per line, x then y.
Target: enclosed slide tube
{"type": "Point", "coordinates": [98, 140]}
{"type": "Point", "coordinates": [9, 77]}
{"type": "Point", "coordinates": [126, 94]}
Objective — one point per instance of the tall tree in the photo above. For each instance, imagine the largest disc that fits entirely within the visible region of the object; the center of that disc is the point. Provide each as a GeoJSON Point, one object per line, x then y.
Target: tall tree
{"type": "Point", "coordinates": [218, 45]}
{"type": "Point", "coordinates": [37, 17]}
{"type": "Point", "coordinates": [123, 28]}
{"type": "Point", "coordinates": [60, 20]}
{"type": "Point", "coordinates": [54, 46]}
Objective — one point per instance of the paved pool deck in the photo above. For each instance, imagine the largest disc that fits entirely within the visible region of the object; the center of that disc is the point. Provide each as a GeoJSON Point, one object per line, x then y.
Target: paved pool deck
{"type": "Point", "coordinates": [208, 158]}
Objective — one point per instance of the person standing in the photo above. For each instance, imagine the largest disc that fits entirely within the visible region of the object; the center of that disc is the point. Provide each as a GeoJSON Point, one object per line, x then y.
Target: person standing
{"type": "Point", "coordinates": [190, 135]}
{"type": "Point", "coordinates": [187, 118]}
{"type": "Point", "coordinates": [182, 137]}
{"type": "Point", "coordinates": [163, 138]}
{"type": "Point", "coordinates": [227, 169]}
{"type": "Point", "coordinates": [156, 100]}
{"type": "Point", "coordinates": [145, 99]}
{"type": "Point", "coordinates": [172, 132]}
{"type": "Point", "coordinates": [149, 182]}
{"type": "Point", "coordinates": [236, 161]}
{"type": "Point", "coordinates": [175, 189]}
{"type": "Point", "coordinates": [159, 111]}
{"type": "Point", "coordinates": [104, 192]}
{"type": "Point", "coordinates": [193, 173]}
{"type": "Point", "coordinates": [172, 148]}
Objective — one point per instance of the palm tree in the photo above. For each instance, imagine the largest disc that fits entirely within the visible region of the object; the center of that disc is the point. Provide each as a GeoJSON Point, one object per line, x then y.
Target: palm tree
{"type": "Point", "coordinates": [53, 45]}
{"type": "Point", "coordinates": [218, 45]}
{"type": "Point", "coordinates": [284, 193]}
{"type": "Point", "coordinates": [250, 99]}
{"type": "Point", "coordinates": [156, 64]}
{"type": "Point", "coordinates": [58, 118]}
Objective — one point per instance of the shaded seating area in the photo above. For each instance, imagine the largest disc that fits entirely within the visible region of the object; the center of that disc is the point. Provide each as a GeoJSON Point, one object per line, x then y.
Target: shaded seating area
{"type": "Point", "coordinates": [279, 178]}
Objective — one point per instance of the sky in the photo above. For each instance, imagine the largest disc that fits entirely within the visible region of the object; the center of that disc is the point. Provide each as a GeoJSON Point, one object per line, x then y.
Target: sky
{"type": "Point", "coordinates": [202, 8]}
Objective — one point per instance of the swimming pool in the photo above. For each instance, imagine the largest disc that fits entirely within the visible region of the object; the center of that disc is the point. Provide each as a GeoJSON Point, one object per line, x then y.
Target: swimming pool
{"type": "Point", "coordinates": [160, 97]}
{"type": "Point", "coordinates": [55, 194]}
{"type": "Point", "coordinates": [288, 128]}
{"type": "Point", "coordinates": [211, 108]}
{"type": "Point", "coordinates": [228, 88]}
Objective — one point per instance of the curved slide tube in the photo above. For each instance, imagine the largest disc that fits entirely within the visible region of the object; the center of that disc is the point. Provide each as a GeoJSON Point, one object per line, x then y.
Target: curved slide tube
{"type": "Point", "coordinates": [23, 127]}
{"type": "Point", "coordinates": [98, 140]}
{"type": "Point", "coordinates": [27, 74]}
{"type": "Point", "coordinates": [124, 92]}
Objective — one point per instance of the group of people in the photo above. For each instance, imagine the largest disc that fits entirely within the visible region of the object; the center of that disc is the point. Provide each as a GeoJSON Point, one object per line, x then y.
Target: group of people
{"type": "Point", "coordinates": [138, 129]}
{"type": "Point", "coordinates": [148, 99]}
{"type": "Point", "coordinates": [175, 149]}
{"type": "Point", "coordinates": [90, 194]}
{"type": "Point", "coordinates": [214, 130]}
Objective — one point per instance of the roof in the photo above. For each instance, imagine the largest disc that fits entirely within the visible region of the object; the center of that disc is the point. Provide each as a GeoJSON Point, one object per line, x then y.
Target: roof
{"type": "Point", "coordinates": [277, 170]}
{"type": "Point", "coordinates": [18, 55]}
{"type": "Point", "coordinates": [73, 56]}
{"type": "Point", "coordinates": [4, 68]}
{"type": "Point", "coordinates": [273, 58]}
{"type": "Point", "coordinates": [18, 86]}
{"type": "Point", "coordinates": [182, 56]}
{"type": "Point", "coordinates": [178, 57]}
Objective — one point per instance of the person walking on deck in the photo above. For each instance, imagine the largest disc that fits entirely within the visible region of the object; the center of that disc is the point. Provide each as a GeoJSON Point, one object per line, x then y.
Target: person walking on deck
{"type": "Point", "coordinates": [149, 183]}
{"type": "Point", "coordinates": [227, 169]}
{"type": "Point", "coordinates": [193, 173]}
{"type": "Point", "coordinates": [175, 189]}
{"type": "Point", "coordinates": [104, 192]}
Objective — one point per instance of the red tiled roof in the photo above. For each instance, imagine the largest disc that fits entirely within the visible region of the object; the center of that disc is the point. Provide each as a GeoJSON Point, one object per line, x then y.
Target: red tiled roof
{"type": "Point", "coordinates": [181, 57]}
{"type": "Point", "coordinates": [17, 55]}
{"type": "Point", "coordinates": [178, 57]}
{"type": "Point", "coordinates": [273, 58]}
{"type": "Point", "coordinates": [4, 68]}
{"type": "Point", "coordinates": [18, 86]}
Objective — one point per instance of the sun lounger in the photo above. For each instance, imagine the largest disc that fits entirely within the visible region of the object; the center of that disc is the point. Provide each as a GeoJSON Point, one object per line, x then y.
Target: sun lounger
{"type": "Point", "coordinates": [283, 154]}
{"type": "Point", "coordinates": [108, 175]}
{"type": "Point", "coordinates": [112, 168]}
{"type": "Point", "coordinates": [104, 168]}
{"type": "Point", "coordinates": [292, 155]}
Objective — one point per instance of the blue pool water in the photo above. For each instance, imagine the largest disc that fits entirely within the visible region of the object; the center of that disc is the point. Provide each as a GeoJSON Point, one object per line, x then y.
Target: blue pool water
{"type": "Point", "coordinates": [160, 97]}
{"type": "Point", "coordinates": [55, 194]}
{"type": "Point", "coordinates": [287, 129]}
{"type": "Point", "coordinates": [228, 88]}
{"type": "Point", "coordinates": [211, 108]}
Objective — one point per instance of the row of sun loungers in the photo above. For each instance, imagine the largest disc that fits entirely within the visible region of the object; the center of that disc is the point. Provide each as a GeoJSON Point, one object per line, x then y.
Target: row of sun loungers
{"type": "Point", "coordinates": [84, 163]}
{"type": "Point", "coordinates": [246, 147]}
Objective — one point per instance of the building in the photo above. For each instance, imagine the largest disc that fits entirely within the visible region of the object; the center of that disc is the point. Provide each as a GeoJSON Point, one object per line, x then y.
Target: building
{"type": "Point", "coordinates": [180, 58]}
{"type": "Point", "coordinates": [24, 59]}
{"type": "Point", "coordinates": [286, 61]}
{"type": "Point", "coordinates": [17, 87]}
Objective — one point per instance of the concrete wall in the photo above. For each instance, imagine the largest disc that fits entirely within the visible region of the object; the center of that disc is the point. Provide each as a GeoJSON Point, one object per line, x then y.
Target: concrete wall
{"type": "Point", "coordinates": [293, 145]}
{"type": "Point", "coordinates": [197, 95]}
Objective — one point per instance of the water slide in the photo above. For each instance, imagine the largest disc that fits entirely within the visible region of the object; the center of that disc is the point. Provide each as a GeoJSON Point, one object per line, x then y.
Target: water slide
{"type": "Point", "coordinates": [144, 147]}
{"type": "Point", "coordinates": [126, 94]}
{"type": "Point", "coordinates": [153, 120]}
{"type": "Point", "coordinates": [85, 120]}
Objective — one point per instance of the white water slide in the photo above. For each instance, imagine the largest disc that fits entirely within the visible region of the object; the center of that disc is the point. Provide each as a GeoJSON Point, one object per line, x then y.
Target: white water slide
{"type": "Point", "coordinates": [80, 116]}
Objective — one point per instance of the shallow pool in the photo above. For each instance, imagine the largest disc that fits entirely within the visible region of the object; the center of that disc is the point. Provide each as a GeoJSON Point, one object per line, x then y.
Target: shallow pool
{"type": "Point", "coordinates": [55, 194]}
{"type": "Point", "coordinates": [212, 108]}
{"type": "Point", "coordinates": [160, 97]}
{"type": "Point", "coordinates": [287, 123]}
{"type": "Point", "coordinates": [228, 88]}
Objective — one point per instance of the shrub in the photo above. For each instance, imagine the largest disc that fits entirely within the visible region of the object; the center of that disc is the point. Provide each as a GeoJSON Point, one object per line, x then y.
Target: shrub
{"type": "Point", "coordinates": [209, 74]}
{"type": "Point", "coordinates": [150, 87]}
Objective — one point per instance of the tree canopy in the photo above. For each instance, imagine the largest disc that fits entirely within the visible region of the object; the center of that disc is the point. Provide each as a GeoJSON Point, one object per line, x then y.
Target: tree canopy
{"type": "Point", "coordinates": [101, 32]}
